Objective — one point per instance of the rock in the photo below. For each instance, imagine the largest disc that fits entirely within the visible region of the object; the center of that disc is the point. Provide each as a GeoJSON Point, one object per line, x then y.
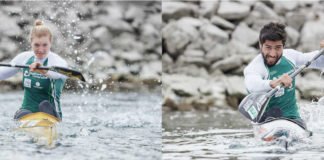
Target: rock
{"type": "Point", "coordinates": [311, 35]}
{"type": "Point", "coordinates": [235, 90]}
{"type": "Point", "coordinates": [310, 88]}
{"type": "Point", "coordinates": [131, 56]}
{"type": "Point", "coordinates": [7, 47]}
{"type": "Point", "coordinates": [222, 23]}
{"type": "Point", "coordinates": [292, 37]}
{"type": "Point", "coordinates": [228, 64]}
{"type": "Point", "coordinates": [150, 36]}
{"type": "Point", "coordinates": [127, 42]}
{"type": "Point", "coordinates": [102, 59]}
{"type": "Point", "coordinates": [261, 15]}
{"type": "Point", "coordinates": [282, 7]}
{"type": "Point", "coordinates": [177, 36]}
{"type": "Point", "coordinates": [115, 26]}
{"type": "Point", "coordinates": [211, 35]}
{"type": "Point", "coordinates": [10, 27]}
{"type": "Point", "coordinates": [217, 53]}
{"type": "Point", "coordinates": [183, 85]}
{"type": "Point", "coordinates": [177, 10]}
{"type": "Point", "coordinates": [208, 8]}
{"type": "Point", "coordinates": [151, 70]}
{"type": "Point", "coordinates": [193, 57]}
{"type": "Point", "coordinates": [237, 47]}
{"type": "Point", "coordinates": [295, 20]}
{"type": "Point", "coordinates": [245, 35]}
{"type": "Point", "coordinates": [102, 35]}
{"type": "Point", "coordinates": [232, 10]}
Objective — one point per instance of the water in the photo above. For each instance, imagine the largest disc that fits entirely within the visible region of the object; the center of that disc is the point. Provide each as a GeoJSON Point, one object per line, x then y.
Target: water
{"type": "Point", "coordinates": [225, 134]}
{"type": "Point", "coordinates": [95, 126]}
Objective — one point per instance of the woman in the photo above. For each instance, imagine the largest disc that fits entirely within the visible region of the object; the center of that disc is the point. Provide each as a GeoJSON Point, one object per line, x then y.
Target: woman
{"type": "Point", "coordinates": [42, 88]}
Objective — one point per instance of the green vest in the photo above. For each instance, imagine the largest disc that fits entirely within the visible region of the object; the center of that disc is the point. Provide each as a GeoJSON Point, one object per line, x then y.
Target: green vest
{"type": "Point", "coordinates": [38, 88]}
{"type": "Point", "coordinates": [285, 98]}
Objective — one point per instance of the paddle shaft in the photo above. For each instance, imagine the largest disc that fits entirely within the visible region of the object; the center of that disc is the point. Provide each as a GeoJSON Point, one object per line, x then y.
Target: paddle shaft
{"type": "Point", "coordinates": [23, 66]}
{"type": "Point", "coordinates": [65, 71]}
{"type": "Point", "coordinates": [292, 75]}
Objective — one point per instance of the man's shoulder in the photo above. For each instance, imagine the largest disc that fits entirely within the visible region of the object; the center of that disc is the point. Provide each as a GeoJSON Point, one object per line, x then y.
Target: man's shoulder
{"type": "Point", "coordinates": [290, 51]}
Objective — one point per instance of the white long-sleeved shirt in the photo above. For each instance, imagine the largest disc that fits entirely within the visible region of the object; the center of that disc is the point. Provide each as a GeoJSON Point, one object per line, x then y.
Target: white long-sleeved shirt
{"type": "Point", "coordinates": [256, 75]}
{"type": "Point", "coordinates": [22, 58]}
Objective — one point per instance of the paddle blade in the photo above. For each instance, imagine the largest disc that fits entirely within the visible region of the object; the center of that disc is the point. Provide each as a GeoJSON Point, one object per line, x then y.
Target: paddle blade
{"type": "Point", "coordinates": [251, 105]}
{"type": "Point", "coordinates": [68, 72]}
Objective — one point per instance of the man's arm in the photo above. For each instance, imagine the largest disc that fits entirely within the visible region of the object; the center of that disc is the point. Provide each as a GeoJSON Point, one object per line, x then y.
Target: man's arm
{"type": "Point", "coordinates": [255, 76]}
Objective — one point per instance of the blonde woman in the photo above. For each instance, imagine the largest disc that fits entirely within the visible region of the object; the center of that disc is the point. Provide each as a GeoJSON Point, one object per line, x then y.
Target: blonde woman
{"type": "Point", "coordinates": [42, 88]}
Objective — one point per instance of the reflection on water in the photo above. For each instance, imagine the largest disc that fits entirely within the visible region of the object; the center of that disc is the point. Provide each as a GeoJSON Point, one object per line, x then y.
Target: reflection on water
{"type": "Point", "coordinates": [225, 134]}
{"type": "Point", "coordinates": [95, 126]}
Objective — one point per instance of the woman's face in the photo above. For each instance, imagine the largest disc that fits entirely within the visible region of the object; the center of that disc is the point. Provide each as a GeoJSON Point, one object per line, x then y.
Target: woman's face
{"type": "Point", "coordinates": [41, 46]}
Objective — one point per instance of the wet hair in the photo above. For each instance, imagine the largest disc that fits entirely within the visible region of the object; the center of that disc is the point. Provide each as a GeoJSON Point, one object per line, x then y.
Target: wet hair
{"type": "Point", "coordinates": [40, 30]}
{"type": "Point", "coordinates": [273, 32]}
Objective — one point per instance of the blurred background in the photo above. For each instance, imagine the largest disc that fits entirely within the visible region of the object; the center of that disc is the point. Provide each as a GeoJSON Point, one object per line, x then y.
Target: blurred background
{"type": "Point", "coordinates": [113, 43]}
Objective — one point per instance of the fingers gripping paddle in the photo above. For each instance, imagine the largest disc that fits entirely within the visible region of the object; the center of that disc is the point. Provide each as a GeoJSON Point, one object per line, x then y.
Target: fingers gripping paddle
{"type": "Point", "coordinates": [65, 71]}
{"type": "Point", "coordinates": [254, 105]}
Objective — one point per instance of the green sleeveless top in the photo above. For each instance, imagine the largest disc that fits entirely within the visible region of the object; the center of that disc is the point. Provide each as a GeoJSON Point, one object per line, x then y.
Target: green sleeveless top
{"type": "Point", "coordinates": [38, 87]}
{"type": "Point", "coordinates": [285, 98]}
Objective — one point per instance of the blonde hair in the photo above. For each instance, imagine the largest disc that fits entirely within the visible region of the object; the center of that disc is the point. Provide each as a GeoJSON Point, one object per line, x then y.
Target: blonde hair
{"type": "Point", "coordinates": [40, 30]}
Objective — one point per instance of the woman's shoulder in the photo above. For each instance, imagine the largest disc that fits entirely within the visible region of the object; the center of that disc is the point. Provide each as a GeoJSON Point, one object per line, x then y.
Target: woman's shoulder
{"type": "Point", "coordinates": [56, 59]}
{"type": "Point", "coordinates": [22, 57]}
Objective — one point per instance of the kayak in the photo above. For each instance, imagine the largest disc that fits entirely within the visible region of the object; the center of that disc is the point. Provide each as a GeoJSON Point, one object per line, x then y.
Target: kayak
{"type": "Point", "coordinates": [280, 130]}
{"type": "Point", "coordinates": [40, 125]}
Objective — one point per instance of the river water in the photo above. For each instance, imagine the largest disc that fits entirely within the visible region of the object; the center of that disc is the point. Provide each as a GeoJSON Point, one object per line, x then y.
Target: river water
{"type": "Point", "coordinates": [98, 125]}
{"type": "Point", "coordinates": [225, 134]}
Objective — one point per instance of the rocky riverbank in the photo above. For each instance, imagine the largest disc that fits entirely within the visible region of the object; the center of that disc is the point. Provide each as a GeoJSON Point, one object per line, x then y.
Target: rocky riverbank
{"type": "Point", "coordinates": [116, 45]}
{"type": "Point", "coordinates": [207, 44]}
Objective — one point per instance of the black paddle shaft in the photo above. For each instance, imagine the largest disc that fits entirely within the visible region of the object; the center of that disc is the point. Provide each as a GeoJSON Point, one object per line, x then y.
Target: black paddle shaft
{"type": "Point", "coordinates": [66, 71]}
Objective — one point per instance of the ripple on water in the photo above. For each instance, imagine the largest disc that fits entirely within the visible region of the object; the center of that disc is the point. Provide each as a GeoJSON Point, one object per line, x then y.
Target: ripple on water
{"type": "Point", "coordinates": [108, 126]}
{"type": "Point", "coordinates": [195, 135]}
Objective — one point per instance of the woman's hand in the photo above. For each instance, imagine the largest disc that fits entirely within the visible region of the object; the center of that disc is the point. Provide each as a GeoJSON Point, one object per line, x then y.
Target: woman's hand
{"type": "Point", "coordinates": [33, 68]}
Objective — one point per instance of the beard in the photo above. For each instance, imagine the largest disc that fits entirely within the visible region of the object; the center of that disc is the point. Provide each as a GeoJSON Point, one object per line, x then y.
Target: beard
{"type": "Point", "coordinates": [270, 60]}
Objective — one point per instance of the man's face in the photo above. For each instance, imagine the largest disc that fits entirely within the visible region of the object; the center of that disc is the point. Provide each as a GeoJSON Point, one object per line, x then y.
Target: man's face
{"type": "Point", "coordinates": [41, 46]}
{"type": "Point", "coordinates": [271, 52]}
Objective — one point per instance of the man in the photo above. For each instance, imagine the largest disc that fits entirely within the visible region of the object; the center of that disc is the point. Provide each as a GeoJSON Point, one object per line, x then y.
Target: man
{"type": "Point", "coordinates": [271, 68]}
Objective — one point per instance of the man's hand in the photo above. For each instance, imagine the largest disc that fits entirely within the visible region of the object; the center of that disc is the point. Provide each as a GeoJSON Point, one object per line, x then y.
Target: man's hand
{"type": "Point", "coordinates": [285, 79]}
{"type": "Point", "coordinates": [35, 65]}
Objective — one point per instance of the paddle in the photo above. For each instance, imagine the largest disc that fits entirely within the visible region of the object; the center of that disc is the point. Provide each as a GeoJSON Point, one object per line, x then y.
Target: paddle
{"type": "Point", "coordinates": [66, 71]}
{"type": "Point", "coordinates": [254, 105]}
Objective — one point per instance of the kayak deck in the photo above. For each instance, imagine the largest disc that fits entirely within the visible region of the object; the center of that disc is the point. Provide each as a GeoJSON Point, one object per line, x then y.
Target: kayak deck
{"type": "Point", "coordinates": [280, 130]}
{"type": "Point", "coordinates": [40, 125]}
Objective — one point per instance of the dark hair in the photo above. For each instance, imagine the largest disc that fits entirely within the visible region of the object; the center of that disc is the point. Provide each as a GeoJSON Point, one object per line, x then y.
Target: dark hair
{"type": "Point", "coordinates": [273, 32]}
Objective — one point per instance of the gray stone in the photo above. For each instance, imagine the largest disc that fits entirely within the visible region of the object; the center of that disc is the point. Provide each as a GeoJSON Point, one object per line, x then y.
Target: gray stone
{"type": "Point", "coordinates": [228, 64]}
{"type": "Point", "coordinates": [232, 10]}
{"type": "Point", "coordinates": [284, 6]}
{"type": "Point", "coordinates": [295, 20]}
{"type": "Point", "coordinates": [177, 36]}
{"type": "Point", "coordinates": [218, 21]}
{"type": "Point", "coordinates": [211, 35]}
{"type": "Point", "coordinates": [292, 38]}
{"type": "Point", "coordinates": [177, 10]}
{"type": "Point", "coordinates": [245, 35]}
{"type": "Point", "coordinates": [9, 26]}
{"type": "Point", "coordinates": [311, 34]}
{"type": "Point", "coordinates": [208, 8]}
